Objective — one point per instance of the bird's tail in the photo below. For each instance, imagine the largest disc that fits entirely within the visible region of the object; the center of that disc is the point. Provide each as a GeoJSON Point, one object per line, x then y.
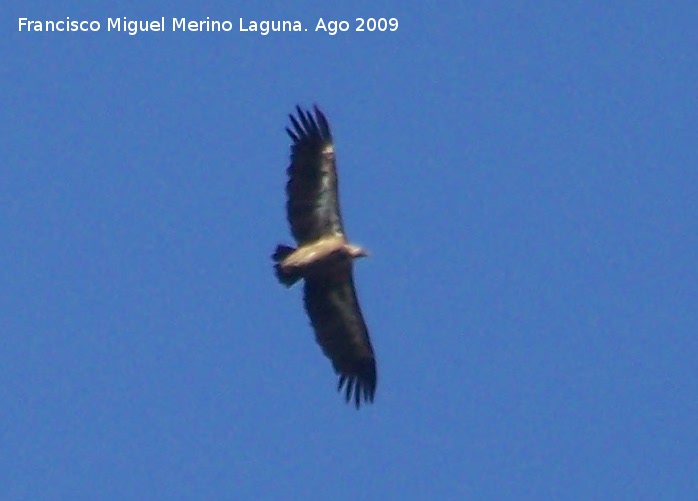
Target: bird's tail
{"type": "Point", "coordinates": [288, 278]}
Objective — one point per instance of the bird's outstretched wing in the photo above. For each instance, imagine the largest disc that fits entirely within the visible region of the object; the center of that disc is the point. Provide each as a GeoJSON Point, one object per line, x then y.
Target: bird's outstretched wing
{"type": "Point", "coordinates": [313, 203]}
{"type": "Point", "coordinates": [341, 331]}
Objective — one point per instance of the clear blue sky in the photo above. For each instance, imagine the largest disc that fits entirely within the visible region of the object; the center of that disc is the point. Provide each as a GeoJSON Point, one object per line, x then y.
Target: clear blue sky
{"type": "Point", "coordinates": [524, 176]}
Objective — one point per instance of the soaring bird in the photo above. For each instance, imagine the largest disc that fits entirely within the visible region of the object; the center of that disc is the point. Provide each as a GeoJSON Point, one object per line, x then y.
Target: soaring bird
{"type": "Point", "coordinates": [324, 258]}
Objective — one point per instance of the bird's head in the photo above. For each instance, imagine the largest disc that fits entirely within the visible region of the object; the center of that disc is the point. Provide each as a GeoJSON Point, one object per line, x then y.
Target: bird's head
{"type": "Point", "coordinates": [355, 251]}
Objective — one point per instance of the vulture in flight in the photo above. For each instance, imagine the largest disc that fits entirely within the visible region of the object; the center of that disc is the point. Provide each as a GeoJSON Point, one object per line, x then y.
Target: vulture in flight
{"type": "Point", "coordinates": [324, 257]}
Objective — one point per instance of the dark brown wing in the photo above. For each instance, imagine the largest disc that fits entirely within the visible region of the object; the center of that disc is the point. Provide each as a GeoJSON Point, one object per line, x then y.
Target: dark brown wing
{"type": "Point", "coordinates": [313, 204]}
{"type": "Point", "coordinates": [341, 332]}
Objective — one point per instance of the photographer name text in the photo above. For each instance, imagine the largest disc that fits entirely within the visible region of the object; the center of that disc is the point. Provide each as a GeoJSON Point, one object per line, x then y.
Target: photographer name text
{"type": "Point", "coordinates": [181, 24]}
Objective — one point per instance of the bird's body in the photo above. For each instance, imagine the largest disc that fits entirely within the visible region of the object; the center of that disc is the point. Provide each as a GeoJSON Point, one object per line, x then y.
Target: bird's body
{"type": "Point", "coordinates": [324, 257]}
